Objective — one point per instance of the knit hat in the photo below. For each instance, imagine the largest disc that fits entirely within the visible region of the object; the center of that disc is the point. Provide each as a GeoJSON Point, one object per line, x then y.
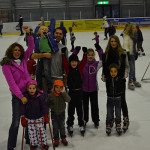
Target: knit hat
{"type": "Point", "coordinates": [58, 82]}
{"type": "Point", "coordinates": [73, 58]}
{"type": "Point", "coordinates": [32, 82]}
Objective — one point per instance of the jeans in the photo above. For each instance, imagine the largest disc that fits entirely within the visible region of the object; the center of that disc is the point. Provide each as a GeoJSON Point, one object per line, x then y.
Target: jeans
{"type": "Point", "coordinates": [111, 104]}
{"type": "Point", "coordinates": [44, 69]}
{"type": "Point", "coordinates": [58, 122]}
{"type": "Point", "coordinates": [132, 68]}
{"type": "Point", "coordinates": [13, 130]}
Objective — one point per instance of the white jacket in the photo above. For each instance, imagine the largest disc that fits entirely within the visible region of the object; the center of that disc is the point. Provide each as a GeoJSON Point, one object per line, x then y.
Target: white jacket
{"type": "Point", "coordinates": [128, 44]}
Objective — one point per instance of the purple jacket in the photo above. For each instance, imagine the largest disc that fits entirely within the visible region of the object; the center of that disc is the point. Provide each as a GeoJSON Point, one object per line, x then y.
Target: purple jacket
{"type": "Point", "coordinates": [89, 73]}
{"type": "Point", "coordinates": [35, 107]}
{"type": "Point", "coordinates": [96, 39]}
{"type": "Point", "coordinates": [18, 76]}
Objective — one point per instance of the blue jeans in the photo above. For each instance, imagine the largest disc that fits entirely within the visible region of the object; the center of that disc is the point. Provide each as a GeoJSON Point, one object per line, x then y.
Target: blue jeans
{"type": "Point", "coordinates": [111, 104]}
{"type": "Point", "coordinates": [13, 130]}
{"type": "Point", "coordinates": [44, 70]}
{"type": "Point", "coordinates": [132, 68]}
{"type": "Point", "coordinates": [58, 122]}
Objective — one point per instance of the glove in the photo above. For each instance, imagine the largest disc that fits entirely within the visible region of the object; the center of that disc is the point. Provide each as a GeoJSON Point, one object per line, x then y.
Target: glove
{"type": "Point", "coordinates": [97, 46]}
{"type": "Point", "coordinates": [63, 49]}
{"type": "Point", "coordinates": [84, 49]}
{"type": "Point", "coordinates": [46, 118]}
{"type": "Point", "coordinates": [23, 121]}
{"type": "Point", "coordinates": [78, 48]}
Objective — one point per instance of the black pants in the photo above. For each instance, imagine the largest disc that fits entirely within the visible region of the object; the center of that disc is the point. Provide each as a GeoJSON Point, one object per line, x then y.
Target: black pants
{"type": "Point", "coordinates": [93, 97]}
{"type": "Point", "coordinates": [139, 46]}
{"type": "Point", "coordinates": [123, 101]}
{"type": "Point", "coordinates": [105, 32]}
{"type": "Point", "coordinates": [75, 103]}
{"type": "Point", "coordinates": [111, 104]}
{"type": "Point", "coordinates": [21, 29]}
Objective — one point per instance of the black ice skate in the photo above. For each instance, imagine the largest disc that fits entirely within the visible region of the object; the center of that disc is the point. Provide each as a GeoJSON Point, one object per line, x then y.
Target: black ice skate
{"type": "Point", "coordinates": [82, 130]}
{"type": "Point", "coordinates": [125, 124]}
{"type": "Point", "coordinates": [96, 124]}
{"type": "Point", "coordinates": [108, 129]}
{"type": "Point", "coordinates": [70, 130]}
{"type": "Point", "coordinates": [118, 128]}
{"type": "Point", "coordinates": [112, 122]}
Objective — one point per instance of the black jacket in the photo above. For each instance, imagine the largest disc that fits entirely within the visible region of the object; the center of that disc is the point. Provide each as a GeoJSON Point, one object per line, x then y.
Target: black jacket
{"type": "Point", "coordinates": [111, 30]}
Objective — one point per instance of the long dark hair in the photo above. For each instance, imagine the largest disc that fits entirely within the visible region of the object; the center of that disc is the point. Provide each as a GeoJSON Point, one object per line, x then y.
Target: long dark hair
{"type": "Point", "coordinates": [9, 54]}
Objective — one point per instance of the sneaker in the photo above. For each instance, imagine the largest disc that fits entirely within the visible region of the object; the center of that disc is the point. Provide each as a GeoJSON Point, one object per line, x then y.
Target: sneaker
{"type": "Point", "coordinates": [65, 142]}
{"type": "Point", "coordinates": [46, 147]}
{"type": "Point", "coordinates": [56, 143]}
{"type": "Point", "coordinates": [137, 84]}
{"type": "Point", "coordinates": [131, 86]}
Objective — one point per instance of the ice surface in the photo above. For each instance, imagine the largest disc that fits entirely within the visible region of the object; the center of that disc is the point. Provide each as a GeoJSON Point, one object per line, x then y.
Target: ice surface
{"type": "Point", "coordinates": [138, 101]}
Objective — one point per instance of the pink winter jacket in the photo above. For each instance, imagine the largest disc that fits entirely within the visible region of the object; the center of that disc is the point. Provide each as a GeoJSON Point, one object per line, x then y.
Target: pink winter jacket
{"type": "Point", "coordinates": [18, 76]}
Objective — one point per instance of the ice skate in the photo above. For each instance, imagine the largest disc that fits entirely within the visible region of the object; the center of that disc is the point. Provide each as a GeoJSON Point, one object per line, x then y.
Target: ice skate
{"type": "Point", "coordinates": [70, 130]}
{"type": "Point", "coordinates": [131, 86]}
{"type": "Point", "coordinates": [118, 128]}
{"type": "Point", "coordinates": [125, 124]}
{"type": "Point", "coordinates": [108, 129]}
{"type": "Point", "coordinates": [137, 84]}
{"type": "Point", "coordinates": [112, 122]}
{"type": "Point", "coordinates": [143, 54]}
{"type": "Point", "coordinates": [82, 130]}
{"type": "Point", "coordinates": [65, 142]}
{"type": "Point", "coordinates": [56, 143]}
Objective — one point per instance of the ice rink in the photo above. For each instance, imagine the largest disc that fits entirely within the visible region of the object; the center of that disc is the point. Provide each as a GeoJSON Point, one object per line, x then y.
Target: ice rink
{"type": "Point", "coordinates": [138, 101]}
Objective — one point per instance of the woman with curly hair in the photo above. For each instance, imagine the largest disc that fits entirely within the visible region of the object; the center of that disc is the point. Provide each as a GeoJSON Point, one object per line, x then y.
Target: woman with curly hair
{"type": "Point", "coordinates": [14, 67]}
{"type": "Point", "coordinates": [129, 43]}
{"type": "Point", "coordinates": [113, 55]}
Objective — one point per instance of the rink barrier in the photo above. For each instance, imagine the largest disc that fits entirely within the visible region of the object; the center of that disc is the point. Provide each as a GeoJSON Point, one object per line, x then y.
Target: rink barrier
{"type": "Point", "coordinates": [88, 25]}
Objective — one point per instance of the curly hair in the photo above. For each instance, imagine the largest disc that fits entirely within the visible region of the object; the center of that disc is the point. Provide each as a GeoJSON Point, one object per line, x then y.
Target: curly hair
{"type": "Point", "coordinates": [9, 54]}
{"type": "Point", "coordinates": [119, 47]}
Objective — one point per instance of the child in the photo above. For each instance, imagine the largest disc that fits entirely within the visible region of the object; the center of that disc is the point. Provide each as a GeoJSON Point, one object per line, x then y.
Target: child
{"type": "Point", "coordinates": [56, 102]}
{"type": "Point", "coordinates": [31, 66]}
{"type": "Point", "coordinates": [114, 86]}
{"type": "Point", "coordinates": [89, 84]}
{"type": "Point", "coordinates": [34, 111]}
{"type": "Point", "coordinates": [96, 38]}
{"type": "Point", "coordinates": [44, 44]}
{"type": "Point", "coordinates": [72, 38]}
{"type": "Point", "coordinates": [139, 41]}
{"type": "Point", "coordinates": [111, 30]}
{"type": "Point", "coordinates": [74, 81]}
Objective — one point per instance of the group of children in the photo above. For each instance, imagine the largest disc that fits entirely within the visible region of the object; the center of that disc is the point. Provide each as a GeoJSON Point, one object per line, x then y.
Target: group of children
{"type": "Point", "coordinates": [82, 86]}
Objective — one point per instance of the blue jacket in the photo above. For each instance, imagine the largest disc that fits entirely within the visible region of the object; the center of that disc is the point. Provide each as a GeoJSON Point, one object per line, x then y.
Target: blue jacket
{"type": "Point", "coordinates": [52, 42]}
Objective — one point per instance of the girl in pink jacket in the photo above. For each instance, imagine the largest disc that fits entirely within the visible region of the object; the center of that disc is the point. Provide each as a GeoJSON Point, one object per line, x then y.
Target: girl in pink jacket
{"type": "Point", "coordinates": [14, 67]}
